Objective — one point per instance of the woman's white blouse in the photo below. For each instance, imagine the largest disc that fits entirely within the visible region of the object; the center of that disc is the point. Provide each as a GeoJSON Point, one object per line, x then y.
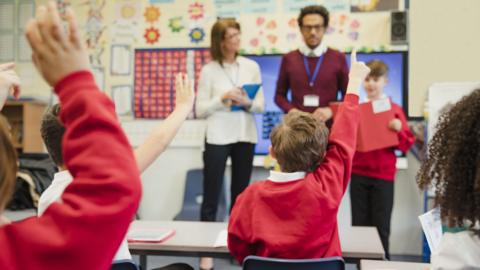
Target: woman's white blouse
{"type": "Point", "coordinates": [223, 125]}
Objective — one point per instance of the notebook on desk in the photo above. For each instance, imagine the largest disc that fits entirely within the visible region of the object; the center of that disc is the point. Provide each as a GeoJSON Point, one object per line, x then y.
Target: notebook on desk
{"type": "Point", "coordinates": [154, 235]}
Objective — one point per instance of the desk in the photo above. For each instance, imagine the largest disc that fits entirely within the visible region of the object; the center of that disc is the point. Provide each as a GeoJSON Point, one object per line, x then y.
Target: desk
{"type": "Point", "coordinates": [378, 265]}
{"type": "Point", "coordinates": [196, 239]}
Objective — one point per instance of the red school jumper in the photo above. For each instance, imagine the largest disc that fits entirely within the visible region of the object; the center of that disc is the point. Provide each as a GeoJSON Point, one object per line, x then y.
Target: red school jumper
{"type": "Point", "coordinates": [84, 231]}
{"type": "Point", "coordinates": [298, 219]}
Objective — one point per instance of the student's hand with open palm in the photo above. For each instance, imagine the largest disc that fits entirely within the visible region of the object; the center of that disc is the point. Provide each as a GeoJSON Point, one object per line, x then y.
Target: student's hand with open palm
{"type": "Point", "coordinates": [56, 53]}
{"type": "Point", "coordinates": [358, 72]}
{"type": "Point", "coordinates": [184, 94]}
{"type": "Point", "coordinates": [9, 82]}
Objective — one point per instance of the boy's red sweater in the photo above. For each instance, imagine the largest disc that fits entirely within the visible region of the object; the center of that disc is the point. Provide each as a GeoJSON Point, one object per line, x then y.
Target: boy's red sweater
{"type": "Point", "coordinates": [84, 231]}
{"type": "Point", "coordinates": [298, 219]}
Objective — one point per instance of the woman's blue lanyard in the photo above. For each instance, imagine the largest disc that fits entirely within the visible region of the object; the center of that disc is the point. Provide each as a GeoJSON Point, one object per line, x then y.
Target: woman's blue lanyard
{"type": "Point", "coordinates": [311, 79]}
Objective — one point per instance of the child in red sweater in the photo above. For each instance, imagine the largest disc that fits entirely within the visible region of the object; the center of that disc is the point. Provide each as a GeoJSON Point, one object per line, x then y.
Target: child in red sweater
{"type": "Point", "coordinates": [86, 229]}
{"type": "Point", "coordinates": [293, 214]}
{"type": "Point", "coordinates": [373, 172]}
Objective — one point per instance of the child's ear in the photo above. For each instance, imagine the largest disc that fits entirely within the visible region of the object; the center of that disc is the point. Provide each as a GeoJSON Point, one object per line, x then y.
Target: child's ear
{"type": "Point", "coordinates": [270, 152]}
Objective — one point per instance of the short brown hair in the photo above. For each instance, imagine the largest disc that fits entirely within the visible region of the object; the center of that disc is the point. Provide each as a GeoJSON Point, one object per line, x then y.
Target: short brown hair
{"type": "Point", "coordinates": [377, 68]}
{"type": "Point", "coordinates": [217, 35]}
{"type": "Point", "coordinates": [52, 130]}
{"type": "Point", "coordinates": [453, 164]}
{"type": "Point", "coordinates": [299, 142]}
{"type": "Point", "coordinates": [314, 9]}
{"type": "Point", "coordinates": [8, 164]}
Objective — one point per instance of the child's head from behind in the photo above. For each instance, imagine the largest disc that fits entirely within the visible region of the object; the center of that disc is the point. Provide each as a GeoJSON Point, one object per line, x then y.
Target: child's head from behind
{"type": "Point", "coordinates": [52, 131]}
{"type": "Point", "coordinates": [8, 164]}
{"type": "Point", "coordinates": [299, 142]}
{"type": "Point", "coordinates": [453, 163]}
{"type": "Point", "coordinates": [376, 79]}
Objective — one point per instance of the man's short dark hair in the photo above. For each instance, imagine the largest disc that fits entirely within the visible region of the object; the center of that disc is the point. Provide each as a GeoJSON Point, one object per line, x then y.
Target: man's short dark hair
{"type": "Point", "coordinates": [52, 131]}
{"type": "Point", "coordinates": [314, 9]}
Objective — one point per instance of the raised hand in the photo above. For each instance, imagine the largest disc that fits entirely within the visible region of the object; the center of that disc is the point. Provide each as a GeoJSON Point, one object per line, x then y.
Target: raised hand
{"type": "Point", "coordinates": [56, 53]}
{"type": "Point", "coordinates": [9, 82]}
{"type": "Point", "coordinates": [184, 94]}
{"type": "Point", "coordinates": [358, 72]}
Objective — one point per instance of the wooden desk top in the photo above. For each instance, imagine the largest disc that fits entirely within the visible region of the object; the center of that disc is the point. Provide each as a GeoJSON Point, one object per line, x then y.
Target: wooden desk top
{"type": "Point", "coordinates": [390, 265]}
{"type": "Point", "coordinates": [199, 237]}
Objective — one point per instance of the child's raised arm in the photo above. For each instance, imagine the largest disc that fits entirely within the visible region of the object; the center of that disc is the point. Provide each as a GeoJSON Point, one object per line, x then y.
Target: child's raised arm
{"type": "Point", "coordinates": [84, 231]}
{"type": "Point", "coordinates": [358, 72]}
{"type": "Point", "coordinates": [163, 134]}
{"type": "Point", "coordinates": [9, 82]}
{"type": "Point", "coordinates": [337, 165]}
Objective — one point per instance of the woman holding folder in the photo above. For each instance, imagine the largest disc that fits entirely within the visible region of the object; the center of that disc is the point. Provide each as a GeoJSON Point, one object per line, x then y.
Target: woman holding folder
{"type": "Point", "coordinates": [229, 92]}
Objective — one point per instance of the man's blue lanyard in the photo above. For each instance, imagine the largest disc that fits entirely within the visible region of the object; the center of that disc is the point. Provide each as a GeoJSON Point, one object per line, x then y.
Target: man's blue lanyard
{"type": "Point", "coordinates": [311, 79]}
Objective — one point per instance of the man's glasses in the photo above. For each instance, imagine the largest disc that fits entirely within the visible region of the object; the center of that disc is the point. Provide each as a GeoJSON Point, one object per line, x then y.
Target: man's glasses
{"type": "Point", "coordinates": [309, 28]}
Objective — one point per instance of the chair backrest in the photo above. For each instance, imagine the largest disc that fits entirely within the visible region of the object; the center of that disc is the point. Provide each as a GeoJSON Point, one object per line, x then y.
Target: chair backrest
{"type": "Point", "coordinates": [262, 263]}
{"type": "Point", "coordinates": [124, 265]}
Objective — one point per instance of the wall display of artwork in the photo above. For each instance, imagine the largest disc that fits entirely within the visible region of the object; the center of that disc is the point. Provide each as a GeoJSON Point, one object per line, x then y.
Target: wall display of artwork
{"type": "Point", "coordinates": [121, 33]}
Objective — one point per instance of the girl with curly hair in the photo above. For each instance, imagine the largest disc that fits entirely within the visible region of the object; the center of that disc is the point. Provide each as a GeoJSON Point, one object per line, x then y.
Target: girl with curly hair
{"type": "Point", "coordinates": [453, 168]}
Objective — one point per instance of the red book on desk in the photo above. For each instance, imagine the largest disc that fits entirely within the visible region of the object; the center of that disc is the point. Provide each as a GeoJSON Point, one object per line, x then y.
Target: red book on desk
{"type": "Point", "coordinates": [150, 235]}
{"type": "Point", "coordinates": [373, 131]}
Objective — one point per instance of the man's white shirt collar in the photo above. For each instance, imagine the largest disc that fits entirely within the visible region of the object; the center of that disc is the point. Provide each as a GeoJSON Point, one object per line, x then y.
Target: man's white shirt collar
{"type": "Point", "coordinates": [282, 177]}
{"type": "Point", "coordinates": [317, 52]}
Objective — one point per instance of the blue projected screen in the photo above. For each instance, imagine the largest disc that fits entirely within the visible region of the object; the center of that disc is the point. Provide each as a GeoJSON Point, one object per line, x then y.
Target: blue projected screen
{"type": "Point", "coordinates": [270, 66]}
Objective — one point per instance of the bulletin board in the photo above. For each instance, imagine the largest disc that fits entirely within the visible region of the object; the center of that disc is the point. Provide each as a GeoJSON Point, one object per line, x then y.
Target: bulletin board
{"type": "Point", "coordinates": [154, 84]}
{"type": "Point", "coordinates": [118, 31]}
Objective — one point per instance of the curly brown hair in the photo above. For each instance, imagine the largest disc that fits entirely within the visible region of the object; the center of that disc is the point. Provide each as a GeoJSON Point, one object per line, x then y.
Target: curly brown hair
{"type": "Point", "coordinates": [453, 164]}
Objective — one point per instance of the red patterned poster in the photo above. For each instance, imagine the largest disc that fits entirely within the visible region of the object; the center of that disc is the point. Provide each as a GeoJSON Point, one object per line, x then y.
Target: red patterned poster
{"type": "Point", "coordinates": [155, 70]}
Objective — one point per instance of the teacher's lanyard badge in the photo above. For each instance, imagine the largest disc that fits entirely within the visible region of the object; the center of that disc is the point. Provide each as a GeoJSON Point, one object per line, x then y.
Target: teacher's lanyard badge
{"type": "Point", "coordinates": [311, 79]}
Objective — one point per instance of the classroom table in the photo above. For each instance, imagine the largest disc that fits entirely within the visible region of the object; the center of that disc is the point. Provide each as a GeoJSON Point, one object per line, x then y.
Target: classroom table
{"type": "Point", "coordinates": [391, 265]}
{"type": "Point", "coordinates": [196, 239]}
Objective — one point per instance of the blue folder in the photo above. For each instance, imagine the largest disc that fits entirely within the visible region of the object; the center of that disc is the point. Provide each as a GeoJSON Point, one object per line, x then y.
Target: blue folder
{"type": "Point", "coordinates": [252, 90]}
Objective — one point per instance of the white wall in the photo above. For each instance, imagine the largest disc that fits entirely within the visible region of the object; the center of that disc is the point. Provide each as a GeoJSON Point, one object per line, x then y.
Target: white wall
{"type": "Point", "coordinates": [444, 45]}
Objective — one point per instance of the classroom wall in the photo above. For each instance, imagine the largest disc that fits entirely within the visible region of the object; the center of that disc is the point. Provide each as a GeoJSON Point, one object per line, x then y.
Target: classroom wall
{"type": "Point", "coordinates": [268, 27]}
{"type": "Point", "coordinates": [444, 42]}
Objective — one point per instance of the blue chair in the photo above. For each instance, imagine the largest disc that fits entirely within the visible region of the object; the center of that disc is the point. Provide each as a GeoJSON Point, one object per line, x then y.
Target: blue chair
{"type": "Point", "coordinates": [124, 265]}
{"type": "Point", "coordinates": [193, 197]}
{"type": "Point", "coordinates": [262, 263]}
